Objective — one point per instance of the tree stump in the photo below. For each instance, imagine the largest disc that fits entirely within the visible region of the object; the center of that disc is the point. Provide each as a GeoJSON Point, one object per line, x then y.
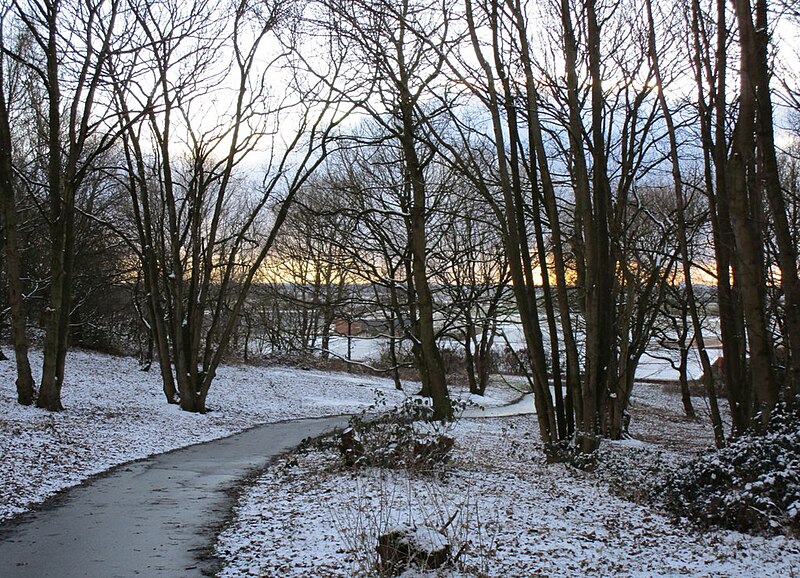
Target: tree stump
{"type": "Point", "coordinates": [404, 546]}
{"type": "Point", "coordinates": [351, 447]}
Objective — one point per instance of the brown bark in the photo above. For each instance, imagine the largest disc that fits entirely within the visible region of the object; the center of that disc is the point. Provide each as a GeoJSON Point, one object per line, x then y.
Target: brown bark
{"type": "Point", "coordinates": [595, 272]}
{"type": "Point", "coordinates": [680, 209]}
{"type": "Point", "coordinates": [747, 219]}
{"type": "Point", "coordinates": [442, 408]}
{"type": "Point", "coordinates": [515, 244]}
{"type": "Point", "coordinates": [70, 134]}
{"type": "Point", "coordinates": [765, 141]}
{"type": "Point", "coordinates": [714, 140]}
{"type": "Point", "coordinates": [730, 301]}
{"type": "Point", "coordinates": [573, 398]}
{"type": "Point", "coordinates": [25, 386]}
{"type": "Point", "coordinates": [600, 303]}
{"type": "Point", "coordinates": [587, 427]}
{"type": "Point", "coordinates": [61, 198]}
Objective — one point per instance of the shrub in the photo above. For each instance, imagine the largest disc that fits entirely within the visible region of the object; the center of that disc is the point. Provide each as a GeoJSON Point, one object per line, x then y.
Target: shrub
{"type": "Point", "coordinates": [751, 486]}
{"type": "Point", "coordinates": [402, 438]}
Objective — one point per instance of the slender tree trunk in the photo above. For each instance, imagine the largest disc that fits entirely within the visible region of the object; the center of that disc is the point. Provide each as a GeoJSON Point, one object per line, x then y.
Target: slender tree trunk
{"type": "Point", "coordinates": [730, 301]}
{"type": "Point", "coordinates": [552, 332]}
{"type": "Point", "coordinates": [680, 209]}
{"type": "Point", "coordinates": [586, 411]}
{"type": "Point", "coordinates": [61, 197]}
{"type": "Point", "coordinates": [57, 327]}
{"type": "Point", "coordinates": [747, 212]}
{"type": "Point", "coordinates": [486, 345]}
{"type": "Point", "coordinates": [431, 358]}
{"type": "Point", "coordinates": [515, 245]}
{"type": "Point", "coordinates": [713, 136]}
{"type": "Point", "coordinates": [143, 217]}
{"type": "Point", "coordinates": [595, 272]}
{"type": "Point", "coordinates": [68, 163]}
{"type": "Point", "coordinates": [787, 251]}
{"type": "Point", "coordinates": [538, 160]}
{"type": "Point", "coordinates": [573, 401]}
{"type": "Point", "coordinates": [25, 387]}
{"type": "Point", "coordinates": [349, 343]}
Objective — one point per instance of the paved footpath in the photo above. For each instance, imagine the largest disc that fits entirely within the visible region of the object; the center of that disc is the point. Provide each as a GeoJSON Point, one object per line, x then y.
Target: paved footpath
{"type": "Point", "coordinates": [155, 517]}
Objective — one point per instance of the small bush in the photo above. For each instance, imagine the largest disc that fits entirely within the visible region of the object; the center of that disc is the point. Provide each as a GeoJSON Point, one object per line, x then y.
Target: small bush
{"type": "Point", "coordinates": [751, 486]}
{"type": "Point", "coordinates": [401, 438]}
{"type": "Point", "coordinates": [636, 473]}
{"type": "Point", "coordinates": [513, 362]}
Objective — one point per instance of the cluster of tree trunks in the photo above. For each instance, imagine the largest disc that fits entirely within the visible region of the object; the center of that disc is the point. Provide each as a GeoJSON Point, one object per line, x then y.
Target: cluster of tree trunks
{"type": "Point", "coordinates": [560, 164]}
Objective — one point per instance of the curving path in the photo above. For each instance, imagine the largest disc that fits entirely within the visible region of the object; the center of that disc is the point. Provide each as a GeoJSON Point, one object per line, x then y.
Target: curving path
{"type": "Point", "coordinates": [155, 517]}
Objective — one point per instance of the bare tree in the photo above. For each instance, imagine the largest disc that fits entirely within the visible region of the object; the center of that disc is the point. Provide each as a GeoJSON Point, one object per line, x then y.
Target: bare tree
{"type": "Point", "coordinates": [310, 264]}
{"type": "Point", "coordinates": [561, 190]}
{"type": "Point", "coordinates": [8, 193]}
{"type": "Point", "coordinates": [69, 45]}
{"type": "Point", "coordinates": [474, 280]}
{"type": "Point", "coordinates": [397, 72]}
{"type": "Point", "coordinates": [753, 174]}
{"type": "Point", "coordinates": [683, 241]}
{"type": "Point", "coordinates": [201, 229]}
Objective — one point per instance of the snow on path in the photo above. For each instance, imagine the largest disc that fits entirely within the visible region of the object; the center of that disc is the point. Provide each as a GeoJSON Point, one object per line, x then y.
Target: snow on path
{"type": "Point", "coordinates": [522, 406]}
{"type": "Point", "coordinates": [116, 413]}
{"type": "Point", "coordinates": [148, 518]}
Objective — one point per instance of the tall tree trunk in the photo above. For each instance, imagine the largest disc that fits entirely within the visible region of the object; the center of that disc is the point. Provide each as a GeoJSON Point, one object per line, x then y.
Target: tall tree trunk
{"type": "Point", "coordinates": [593, 210]}
{"type": "Point", "coordinates": [714, 140]}
{"type": "Point", "coordinates": [69, 160]}
{"type": "Point", "coordinates": [25, 387]}
{"type": "Point", "coordinates": [683, 243]}
{"type": "Point", "coordinates": [787, 251]}
{"type": "Point", "coordinates": [515, 244]}
{"type": "Point", "coordinates": [61, 198]}
{"type": "Point", "coordinates": [587, 427]}
{"type": "Point", "coordinates": [143, 217]}
{"type": "Point", "coordinates": [573, 398]}
{"type": "Point", "coordinates": [747, 213]}
{"type": "Point", "coordinates": [431, 358]}
{"type": "Point", "coordinates": [58, 315]}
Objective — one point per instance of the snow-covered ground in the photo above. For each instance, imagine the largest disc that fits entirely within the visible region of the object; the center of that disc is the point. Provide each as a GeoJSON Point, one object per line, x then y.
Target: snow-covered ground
{"type": "Point", "coordinates": [653, 364]}
{"type": "Point", "coordinates": [520, 516]}
{"type": "Point", "coordinates": [514, 515]}
{"type": "Point", "coordinates": [116, 413]}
